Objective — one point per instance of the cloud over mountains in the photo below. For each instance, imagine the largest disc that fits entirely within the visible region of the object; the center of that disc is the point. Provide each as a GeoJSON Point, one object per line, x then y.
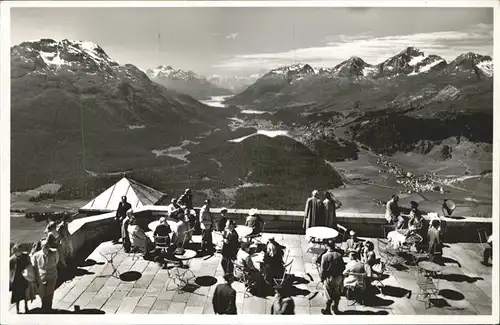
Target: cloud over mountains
{"type": "Point", "coordinates": [374, 49]}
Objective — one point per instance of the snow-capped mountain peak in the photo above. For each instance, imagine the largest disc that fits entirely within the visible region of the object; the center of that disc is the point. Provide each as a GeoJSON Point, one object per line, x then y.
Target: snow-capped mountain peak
{"type": "Point", "coordinates": [411, 61]}
{"type": "Point", "coordinates": [471, 62]}
{"type": "Point", "coordinates": [68, 54]}
{"type": "Point", "coordinates": [354, 66]}
{"type": "Point", "coordinates": [166, 71]}
{"type": "Point", "coordinates": [297, 68]}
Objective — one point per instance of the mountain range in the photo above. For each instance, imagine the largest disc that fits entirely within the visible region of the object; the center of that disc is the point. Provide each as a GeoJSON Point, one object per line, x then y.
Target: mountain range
{"type": "Point", "coordinates": [69, 96]}
{"type": "Point", "coordinates": [186, 82]}
{"type": "Point", "coordinates": [81, 119]}
{"type": "Point", "coordinates": [301, 84]}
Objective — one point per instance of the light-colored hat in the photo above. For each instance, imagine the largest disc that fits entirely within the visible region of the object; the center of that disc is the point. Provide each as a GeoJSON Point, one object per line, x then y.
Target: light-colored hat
{"type": "Point", "coordinates": [163, 220]}
{"type": "Point", "coordinates": [252, 212]}
{"type": "Point", "coordinates": [352, 233]}
{"type": "Point", "coordinates": [223, 210]}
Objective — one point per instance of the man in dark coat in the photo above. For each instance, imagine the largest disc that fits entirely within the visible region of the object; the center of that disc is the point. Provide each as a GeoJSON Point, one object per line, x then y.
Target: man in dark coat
{"type": "Point", "coordinates": [230, 246]}
{"type": "Point", "coordinates": [314, 212]}
{"type": "Point", "coordinates": [121, 213]}
{"type": "Point", "coordinates": [224, 298]}
{"type": "Point", "coordinates": [332, 267]}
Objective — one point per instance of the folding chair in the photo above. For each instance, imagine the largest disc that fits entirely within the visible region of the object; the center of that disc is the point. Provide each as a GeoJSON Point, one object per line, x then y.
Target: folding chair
{"type": "Point", "coordinates": [377, 279]}
{"type": "Point", "coordinates": [388, 254]}
{"type": "Point", "coordinates": [162, 243]}
{"type": "Point", "coordinates": [244, 277]}
{"type": "Point", "coordinates": [256, 238]}
{"type": "Point", "coordinates": [427, 289]}
{"type": "Point", "coordinates": [287, 269]}
{"type": "Point", "coordinates": [482, 233]}
{"type": "Point", "coordinates": [358, 284]}
{"type": "Point", "coordinates": [342, 234]}
{"type": "Point", "coordinates": [109, 257]}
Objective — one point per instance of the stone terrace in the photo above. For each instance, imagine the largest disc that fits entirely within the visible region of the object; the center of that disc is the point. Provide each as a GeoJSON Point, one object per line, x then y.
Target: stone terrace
{"type": "Point", "coordinates": [465, 289]}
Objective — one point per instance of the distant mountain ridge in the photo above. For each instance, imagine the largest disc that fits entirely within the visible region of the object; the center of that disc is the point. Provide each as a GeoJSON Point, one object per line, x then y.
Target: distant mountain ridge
{"type": "Point", "coordinates": [298, 83]}
{"type": "Point", "coordinates": [186, 82]}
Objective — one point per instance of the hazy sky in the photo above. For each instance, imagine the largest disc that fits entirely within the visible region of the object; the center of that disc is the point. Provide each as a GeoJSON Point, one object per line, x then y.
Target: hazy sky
{"type": "Point", "coordinates": [241, 41]}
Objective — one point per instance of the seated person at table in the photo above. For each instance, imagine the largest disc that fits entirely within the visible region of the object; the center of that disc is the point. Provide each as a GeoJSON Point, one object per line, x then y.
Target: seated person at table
{"type": "Point", "coordinates": [416, 221]}
{"type": "Point", "coordinates": [173, 208]}
{"type": "Point", "coordinates": [138, 237]}
{"type": "Point", "coordinates": [273, 266]}
{"type": "Point", "coordinates": [221, 223]}
{"type": "Point", "coordinates": [190, 217]}
{"type": "Point", "coordinates": [373, 265]}
{"type": "Point", "coordinates": [125, 236]}
{"type": "Point", "coordinates": [254, 221]}
{"type": "Point", "coordinates": [353, 244]}
{"type": "Point", "coordinates": [162, 230]}
{"type": "Point", "coordinates": [180, 233]}
{"type": "Point", "coordinates": [353, 266]}
{"type": "Point", "coordinates": [246, 267]}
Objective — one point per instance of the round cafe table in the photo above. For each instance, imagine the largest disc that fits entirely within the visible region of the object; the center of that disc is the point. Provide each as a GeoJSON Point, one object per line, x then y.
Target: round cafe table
{"type": "Point", "coordinates": [321, 233]}
{"type": "Point", "coordinates": [152, 225]}
{"type": "Point", "coordinates": [243, 231]}
{"type": "Point", "coordinates": [430, 267]}
{"type": "Point", "coordinates": [188, 255]}
{"type": "Point", "coordinates": [182, 275]}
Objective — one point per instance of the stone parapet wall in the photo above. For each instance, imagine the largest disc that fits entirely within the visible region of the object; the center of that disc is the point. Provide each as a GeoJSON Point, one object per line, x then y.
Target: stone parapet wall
{"type": "Point", "coordinates": [95, 229]}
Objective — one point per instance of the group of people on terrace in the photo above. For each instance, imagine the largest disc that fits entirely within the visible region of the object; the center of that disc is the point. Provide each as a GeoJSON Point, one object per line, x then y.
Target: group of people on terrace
{"type": "Point", "coordinates": [339, 265]}
{"type": "Point", "coordinates": [36, 270]}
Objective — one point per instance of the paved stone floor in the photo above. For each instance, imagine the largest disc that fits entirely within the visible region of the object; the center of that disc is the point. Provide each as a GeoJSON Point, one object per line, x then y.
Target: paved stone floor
{"type": "Point", "coordinates": [465, 289]}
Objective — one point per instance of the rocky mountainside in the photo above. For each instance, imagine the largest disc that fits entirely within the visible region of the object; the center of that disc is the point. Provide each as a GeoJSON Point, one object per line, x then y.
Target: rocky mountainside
{"type": "Point", "coordinates": [186, 82]}
{"type": "Point", "coordinates": [280, 89]}
{"type": "Point", "coordinates": [68, 96]}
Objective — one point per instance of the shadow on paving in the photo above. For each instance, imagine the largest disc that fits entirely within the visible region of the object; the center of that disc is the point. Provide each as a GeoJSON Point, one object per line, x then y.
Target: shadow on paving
{"type": "Point", "coordinates": [64, 311]}
{"type": "Point", "coordinates": [451, 294]}
{"type": "Point", "coordinates": [363, 312]}
{"type": "Point", "coordinates": [458, 278]}
{"type": "Point", "coordinates": [396, 292]}
{"type": "Point", "coordinates": [130, 276]}
{"type": "Point", "coordinates": [205, 281]}
{"type": "Point", "coordinates": [443, 303]}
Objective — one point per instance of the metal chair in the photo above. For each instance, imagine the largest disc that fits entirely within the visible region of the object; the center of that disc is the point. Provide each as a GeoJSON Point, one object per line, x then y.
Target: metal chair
{"type": "Point", "coordinates": [243, 276]}
{"type": "Point", "coordinates": [109, 257]}
{"type": "Point", "coordinates": [388, 254]}
{"type": "Point", "coordinates": [482, 233]}
{"type": "Point", "coordinates": [427, 289]}
{"type": "Point", "coordinates": [342, 231]}
{"type": "Point", "coordinates": [162, 242]}
{"type": "Point", "coordinates": [377, 279]}
{"type": "Point", "coordinates": [358, 284]}
{"type": "Point", "coordinates": [287, 269]}
{"type": "Point", "coordinates": [256, 238]}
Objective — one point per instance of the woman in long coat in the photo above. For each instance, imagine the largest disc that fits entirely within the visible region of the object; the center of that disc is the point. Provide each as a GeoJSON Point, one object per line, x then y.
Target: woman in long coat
{"type": "Point", "coordinates": [22, 278]}
{"type": "Point", "coordinates": [66, 249]}
{"type": "Point", "coordinates": [314, 214]}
